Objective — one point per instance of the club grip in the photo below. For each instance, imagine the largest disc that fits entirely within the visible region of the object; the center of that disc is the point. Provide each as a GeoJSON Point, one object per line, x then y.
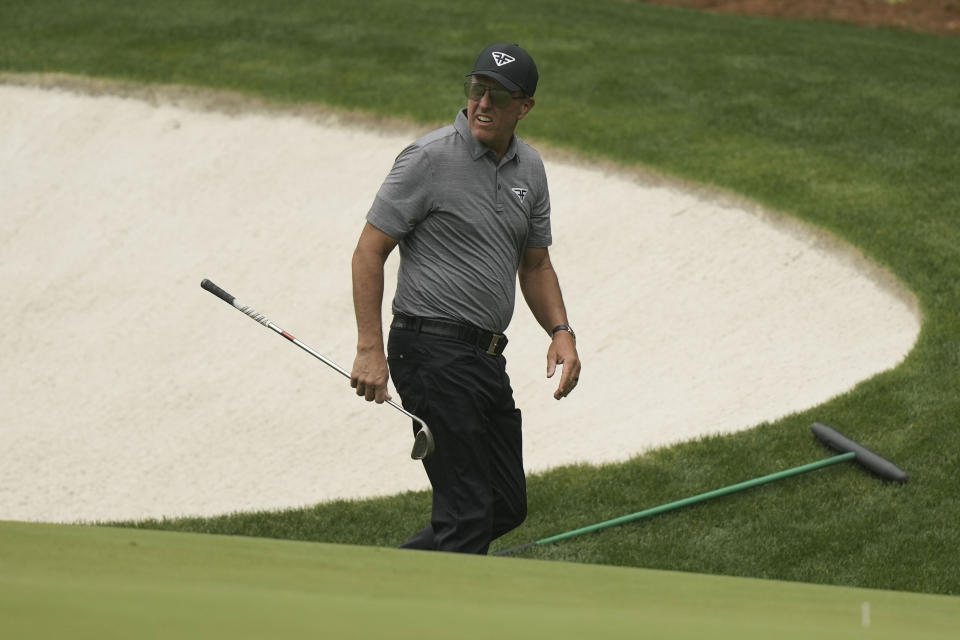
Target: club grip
{"type": "Point", "coordinates": [217, 291]}
{"type": "Point", "coordinates": [868, 459]}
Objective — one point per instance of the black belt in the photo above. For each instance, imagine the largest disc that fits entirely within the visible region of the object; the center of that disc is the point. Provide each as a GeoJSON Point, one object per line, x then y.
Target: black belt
{"type": "Point", "coordinates": [491, 343]}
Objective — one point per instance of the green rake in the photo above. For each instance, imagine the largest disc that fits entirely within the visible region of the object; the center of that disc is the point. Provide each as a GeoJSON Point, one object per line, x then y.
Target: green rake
{"type": "Point", "coordinates": [850, 450]}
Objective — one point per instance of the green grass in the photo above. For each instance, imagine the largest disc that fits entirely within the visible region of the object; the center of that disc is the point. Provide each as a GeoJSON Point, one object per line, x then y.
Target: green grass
{"type": "Point", "coordinates": [89, 582]}
{"type": "Point", "coordinates": [855, 130]}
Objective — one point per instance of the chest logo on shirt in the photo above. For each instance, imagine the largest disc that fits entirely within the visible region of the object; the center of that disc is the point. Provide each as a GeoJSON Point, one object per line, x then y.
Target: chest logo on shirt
{"type": "Point", "coordinates": [501, 58]}
{"type": "Point", "coordinates": [520, 193]}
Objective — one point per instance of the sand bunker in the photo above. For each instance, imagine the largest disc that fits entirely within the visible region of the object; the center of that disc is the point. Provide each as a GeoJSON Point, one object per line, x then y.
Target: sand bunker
{"type": "Point", "coordinates": [129, 392]}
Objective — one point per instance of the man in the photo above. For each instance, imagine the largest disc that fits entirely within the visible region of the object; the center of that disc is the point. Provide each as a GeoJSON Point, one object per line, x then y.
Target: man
{"type": "Point", "coordinates": [469, 207]}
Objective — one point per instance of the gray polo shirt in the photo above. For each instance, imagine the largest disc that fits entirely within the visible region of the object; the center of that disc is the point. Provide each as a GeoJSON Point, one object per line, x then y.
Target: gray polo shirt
{"type": "Point", "coordinates": [463, 221]}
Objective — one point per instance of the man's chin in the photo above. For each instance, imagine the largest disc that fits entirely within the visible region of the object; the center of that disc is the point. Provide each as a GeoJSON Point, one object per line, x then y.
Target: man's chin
{"type": "Point", "coordinates": [482, 135]}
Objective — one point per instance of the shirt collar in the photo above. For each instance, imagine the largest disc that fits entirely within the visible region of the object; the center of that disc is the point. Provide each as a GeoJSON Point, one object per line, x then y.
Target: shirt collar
{"type": "Point", "coordinates": [477, 148]}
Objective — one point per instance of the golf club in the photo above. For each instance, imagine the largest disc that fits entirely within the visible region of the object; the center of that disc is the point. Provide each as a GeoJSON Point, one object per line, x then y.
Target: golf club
{"type": "Point", "coordinates": [850, 450]}
{"type": "Point", "coordinates": [423, 443]}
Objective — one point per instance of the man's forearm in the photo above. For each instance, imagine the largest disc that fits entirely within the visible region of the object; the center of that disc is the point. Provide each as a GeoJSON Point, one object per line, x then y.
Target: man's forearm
{"type": "Point", "coordinates": [541, 290]}
{"type": "Point", "coordinates": [370, 372]}
{"type": "Point", "coordinates": [368, 298]}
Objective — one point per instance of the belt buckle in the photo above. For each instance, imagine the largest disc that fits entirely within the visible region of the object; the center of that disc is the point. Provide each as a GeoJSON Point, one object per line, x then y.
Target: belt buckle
{"type": "Point", "coordinates": [494, 341]}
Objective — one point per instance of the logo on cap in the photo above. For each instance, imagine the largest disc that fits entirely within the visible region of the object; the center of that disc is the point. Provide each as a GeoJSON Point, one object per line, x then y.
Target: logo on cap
{"type": "Point", "coordinates": [520, 193]}
{"type": "Point", "coordinates": [501, 58]}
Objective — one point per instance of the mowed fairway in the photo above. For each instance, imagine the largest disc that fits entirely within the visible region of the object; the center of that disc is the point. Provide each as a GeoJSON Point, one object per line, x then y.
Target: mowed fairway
{"type": "Point", "coordinates": [90, 582]}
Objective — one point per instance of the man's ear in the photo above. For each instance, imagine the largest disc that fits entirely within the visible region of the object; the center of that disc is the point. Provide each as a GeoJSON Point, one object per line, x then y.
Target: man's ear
{"type": "Point", "coordinates": [525, 107]}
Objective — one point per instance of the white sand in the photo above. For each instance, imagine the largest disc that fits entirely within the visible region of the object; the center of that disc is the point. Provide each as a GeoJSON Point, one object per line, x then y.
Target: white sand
{"type": "Point", "coordinates": [128, 392]}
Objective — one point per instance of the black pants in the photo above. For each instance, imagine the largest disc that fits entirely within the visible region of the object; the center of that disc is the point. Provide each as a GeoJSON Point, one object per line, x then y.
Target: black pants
{"type": "Point", "coordinates": [464, 395]}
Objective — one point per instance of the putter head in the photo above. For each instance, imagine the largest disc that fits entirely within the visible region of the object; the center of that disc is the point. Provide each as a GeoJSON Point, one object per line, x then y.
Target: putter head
{"type": "Point", "coordinates": [423, 444]}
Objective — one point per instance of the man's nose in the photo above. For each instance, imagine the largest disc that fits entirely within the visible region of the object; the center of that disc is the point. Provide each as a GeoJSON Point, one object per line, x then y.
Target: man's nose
{"type": "Point", "coordinates": [485, 100]}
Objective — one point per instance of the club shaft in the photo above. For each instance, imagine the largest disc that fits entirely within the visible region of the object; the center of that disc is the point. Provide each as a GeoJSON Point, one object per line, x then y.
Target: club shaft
{"type": "Point", "coordinates": [330, 363]}
{"type": "Point", "coordinates": [269, 324]}
{"type": "Point", "coordinates": [319, 356]}
{"type": "Point", "coordinates": [423, 441]}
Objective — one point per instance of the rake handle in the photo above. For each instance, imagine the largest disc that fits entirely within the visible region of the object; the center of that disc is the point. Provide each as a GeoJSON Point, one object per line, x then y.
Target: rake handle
{"type": "Point", "coordinates": [685, 502]}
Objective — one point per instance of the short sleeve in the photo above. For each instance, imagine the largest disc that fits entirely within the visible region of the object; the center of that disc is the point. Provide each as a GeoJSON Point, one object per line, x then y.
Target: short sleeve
{"type": "Point", "coordinates": [404, 197]}
{"type": "Point", "coordinates": [540, 232]}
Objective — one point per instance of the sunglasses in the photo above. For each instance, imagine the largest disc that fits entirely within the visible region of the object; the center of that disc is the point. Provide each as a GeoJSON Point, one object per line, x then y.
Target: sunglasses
{"type": "Point", "coordinates": [500, 98]}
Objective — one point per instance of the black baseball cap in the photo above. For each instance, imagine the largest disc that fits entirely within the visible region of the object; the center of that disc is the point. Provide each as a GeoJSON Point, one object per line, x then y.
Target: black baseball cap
{"type": "Point", "coordinates": [509, 65]}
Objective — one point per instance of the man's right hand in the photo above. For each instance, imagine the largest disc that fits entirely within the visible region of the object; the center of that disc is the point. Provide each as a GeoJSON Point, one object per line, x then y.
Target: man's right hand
{"type": "Point", "coordinates": [370, 375]}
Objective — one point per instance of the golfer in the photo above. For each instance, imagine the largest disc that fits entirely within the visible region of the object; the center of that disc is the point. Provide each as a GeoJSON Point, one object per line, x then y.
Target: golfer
{"type": "Point", "coordinates": [469, 207]}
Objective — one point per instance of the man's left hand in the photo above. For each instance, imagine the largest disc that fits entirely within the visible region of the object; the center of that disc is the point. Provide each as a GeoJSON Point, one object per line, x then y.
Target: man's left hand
{"type": "Point", "coordinates": [563, 351]}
